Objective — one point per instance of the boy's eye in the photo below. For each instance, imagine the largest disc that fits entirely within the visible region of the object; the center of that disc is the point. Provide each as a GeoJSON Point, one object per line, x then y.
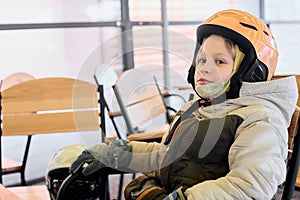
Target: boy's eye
{"type": "Point", "coordinates": [202, 60]}
{"type": "Point", "coordinates": [220, 62]}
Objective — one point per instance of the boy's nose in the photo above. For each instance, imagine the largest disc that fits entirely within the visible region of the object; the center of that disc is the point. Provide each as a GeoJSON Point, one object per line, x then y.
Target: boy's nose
{"type": "Point", "coordinates": [204, 68]}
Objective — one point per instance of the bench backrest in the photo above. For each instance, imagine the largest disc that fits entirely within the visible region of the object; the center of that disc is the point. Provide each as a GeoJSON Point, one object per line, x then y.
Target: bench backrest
{"type": "Point", "coordinates": [49, 105]}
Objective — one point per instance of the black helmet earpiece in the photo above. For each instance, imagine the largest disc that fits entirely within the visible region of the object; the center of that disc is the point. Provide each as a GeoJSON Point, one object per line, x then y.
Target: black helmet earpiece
{"type": "Point", "coordinates": [191, 74]}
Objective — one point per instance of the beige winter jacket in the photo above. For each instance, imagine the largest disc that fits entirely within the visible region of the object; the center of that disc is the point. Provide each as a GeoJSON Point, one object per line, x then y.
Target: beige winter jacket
{"type": "Point", "coordinates": [256, 157]}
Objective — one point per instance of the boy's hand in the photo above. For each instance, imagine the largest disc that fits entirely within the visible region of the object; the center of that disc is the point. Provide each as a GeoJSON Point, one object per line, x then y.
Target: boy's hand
{"type": "Point", "coordinates": [116, 154]}
{"type": "Point", "coordinates": [86, 158]}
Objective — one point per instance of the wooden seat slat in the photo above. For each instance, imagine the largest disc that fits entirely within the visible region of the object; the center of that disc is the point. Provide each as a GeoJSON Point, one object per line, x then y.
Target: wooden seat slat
{"type": "Point", "coordinates": [9, 165]}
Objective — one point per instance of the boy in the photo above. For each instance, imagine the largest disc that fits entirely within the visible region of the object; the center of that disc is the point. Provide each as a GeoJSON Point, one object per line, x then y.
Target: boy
{"type": "Point", "coordinates": [231, 142]}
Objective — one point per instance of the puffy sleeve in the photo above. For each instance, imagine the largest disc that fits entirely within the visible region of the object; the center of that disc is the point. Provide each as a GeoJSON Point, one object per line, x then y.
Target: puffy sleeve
{"type": "Point", "coordinates": [146, 156]}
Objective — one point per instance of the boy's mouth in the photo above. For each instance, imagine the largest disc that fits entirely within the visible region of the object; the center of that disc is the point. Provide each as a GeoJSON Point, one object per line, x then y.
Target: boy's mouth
{"type": "Point", "coordinates": [203, 81]}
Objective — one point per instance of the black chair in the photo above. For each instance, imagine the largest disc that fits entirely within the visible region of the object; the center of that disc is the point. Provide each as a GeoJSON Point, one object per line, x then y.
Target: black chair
{"type": "Point", "coordinates": [142, 105]}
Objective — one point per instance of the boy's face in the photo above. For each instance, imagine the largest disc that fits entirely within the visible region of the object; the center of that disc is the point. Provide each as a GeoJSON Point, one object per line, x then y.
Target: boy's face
{"type": "Point", "coordinates": [214, 62]}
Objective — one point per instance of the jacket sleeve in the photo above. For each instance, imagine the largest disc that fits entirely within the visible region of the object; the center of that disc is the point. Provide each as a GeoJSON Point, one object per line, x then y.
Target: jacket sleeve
{"type": "Point", "coordinates": [146, 155]}
{"type": "Point", "coordinates": [256, 162]}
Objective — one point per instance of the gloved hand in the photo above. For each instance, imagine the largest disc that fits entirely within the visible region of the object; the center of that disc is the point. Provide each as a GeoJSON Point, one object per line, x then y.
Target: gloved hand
{"type": "Point", "coordinates": [144, 188]}
{"type": "Point", "coordinates": [85, 157]}
{"type": "Point", "coordinates": [116, 154]}
{"type": "Point", "coordinates": [176, 195]}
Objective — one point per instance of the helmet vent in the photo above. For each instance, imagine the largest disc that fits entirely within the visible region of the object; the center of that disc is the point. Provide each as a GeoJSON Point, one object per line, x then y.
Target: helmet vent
{"type": "Point", "coordinates": [248, 26]}
{"type": "Point", "coordinates": [265, 32]}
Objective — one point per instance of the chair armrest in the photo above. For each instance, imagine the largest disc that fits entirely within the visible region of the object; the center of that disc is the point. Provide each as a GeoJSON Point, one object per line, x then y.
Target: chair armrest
{"type": "Point", "coordinates": [146, 136]}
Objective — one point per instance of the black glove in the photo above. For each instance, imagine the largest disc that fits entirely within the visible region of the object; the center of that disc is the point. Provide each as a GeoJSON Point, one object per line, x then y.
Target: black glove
{"type": "Point", "coordinates": [92, 164]}
{"type": "Point", "coordinates": [116, 154]}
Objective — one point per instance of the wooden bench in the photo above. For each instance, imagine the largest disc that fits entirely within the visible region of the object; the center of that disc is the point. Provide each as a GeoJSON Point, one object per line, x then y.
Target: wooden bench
{"type": "Point", "coordinates": [7, 194]}
{"type": "Point", "coordinates": [35, 192]}
{"type": "Point", "coordinates": [45, 106]}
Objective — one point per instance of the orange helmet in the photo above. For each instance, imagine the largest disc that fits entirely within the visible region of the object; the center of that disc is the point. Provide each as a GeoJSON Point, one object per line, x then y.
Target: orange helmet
{"type": "Point", "coordinates": [253, 38]}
